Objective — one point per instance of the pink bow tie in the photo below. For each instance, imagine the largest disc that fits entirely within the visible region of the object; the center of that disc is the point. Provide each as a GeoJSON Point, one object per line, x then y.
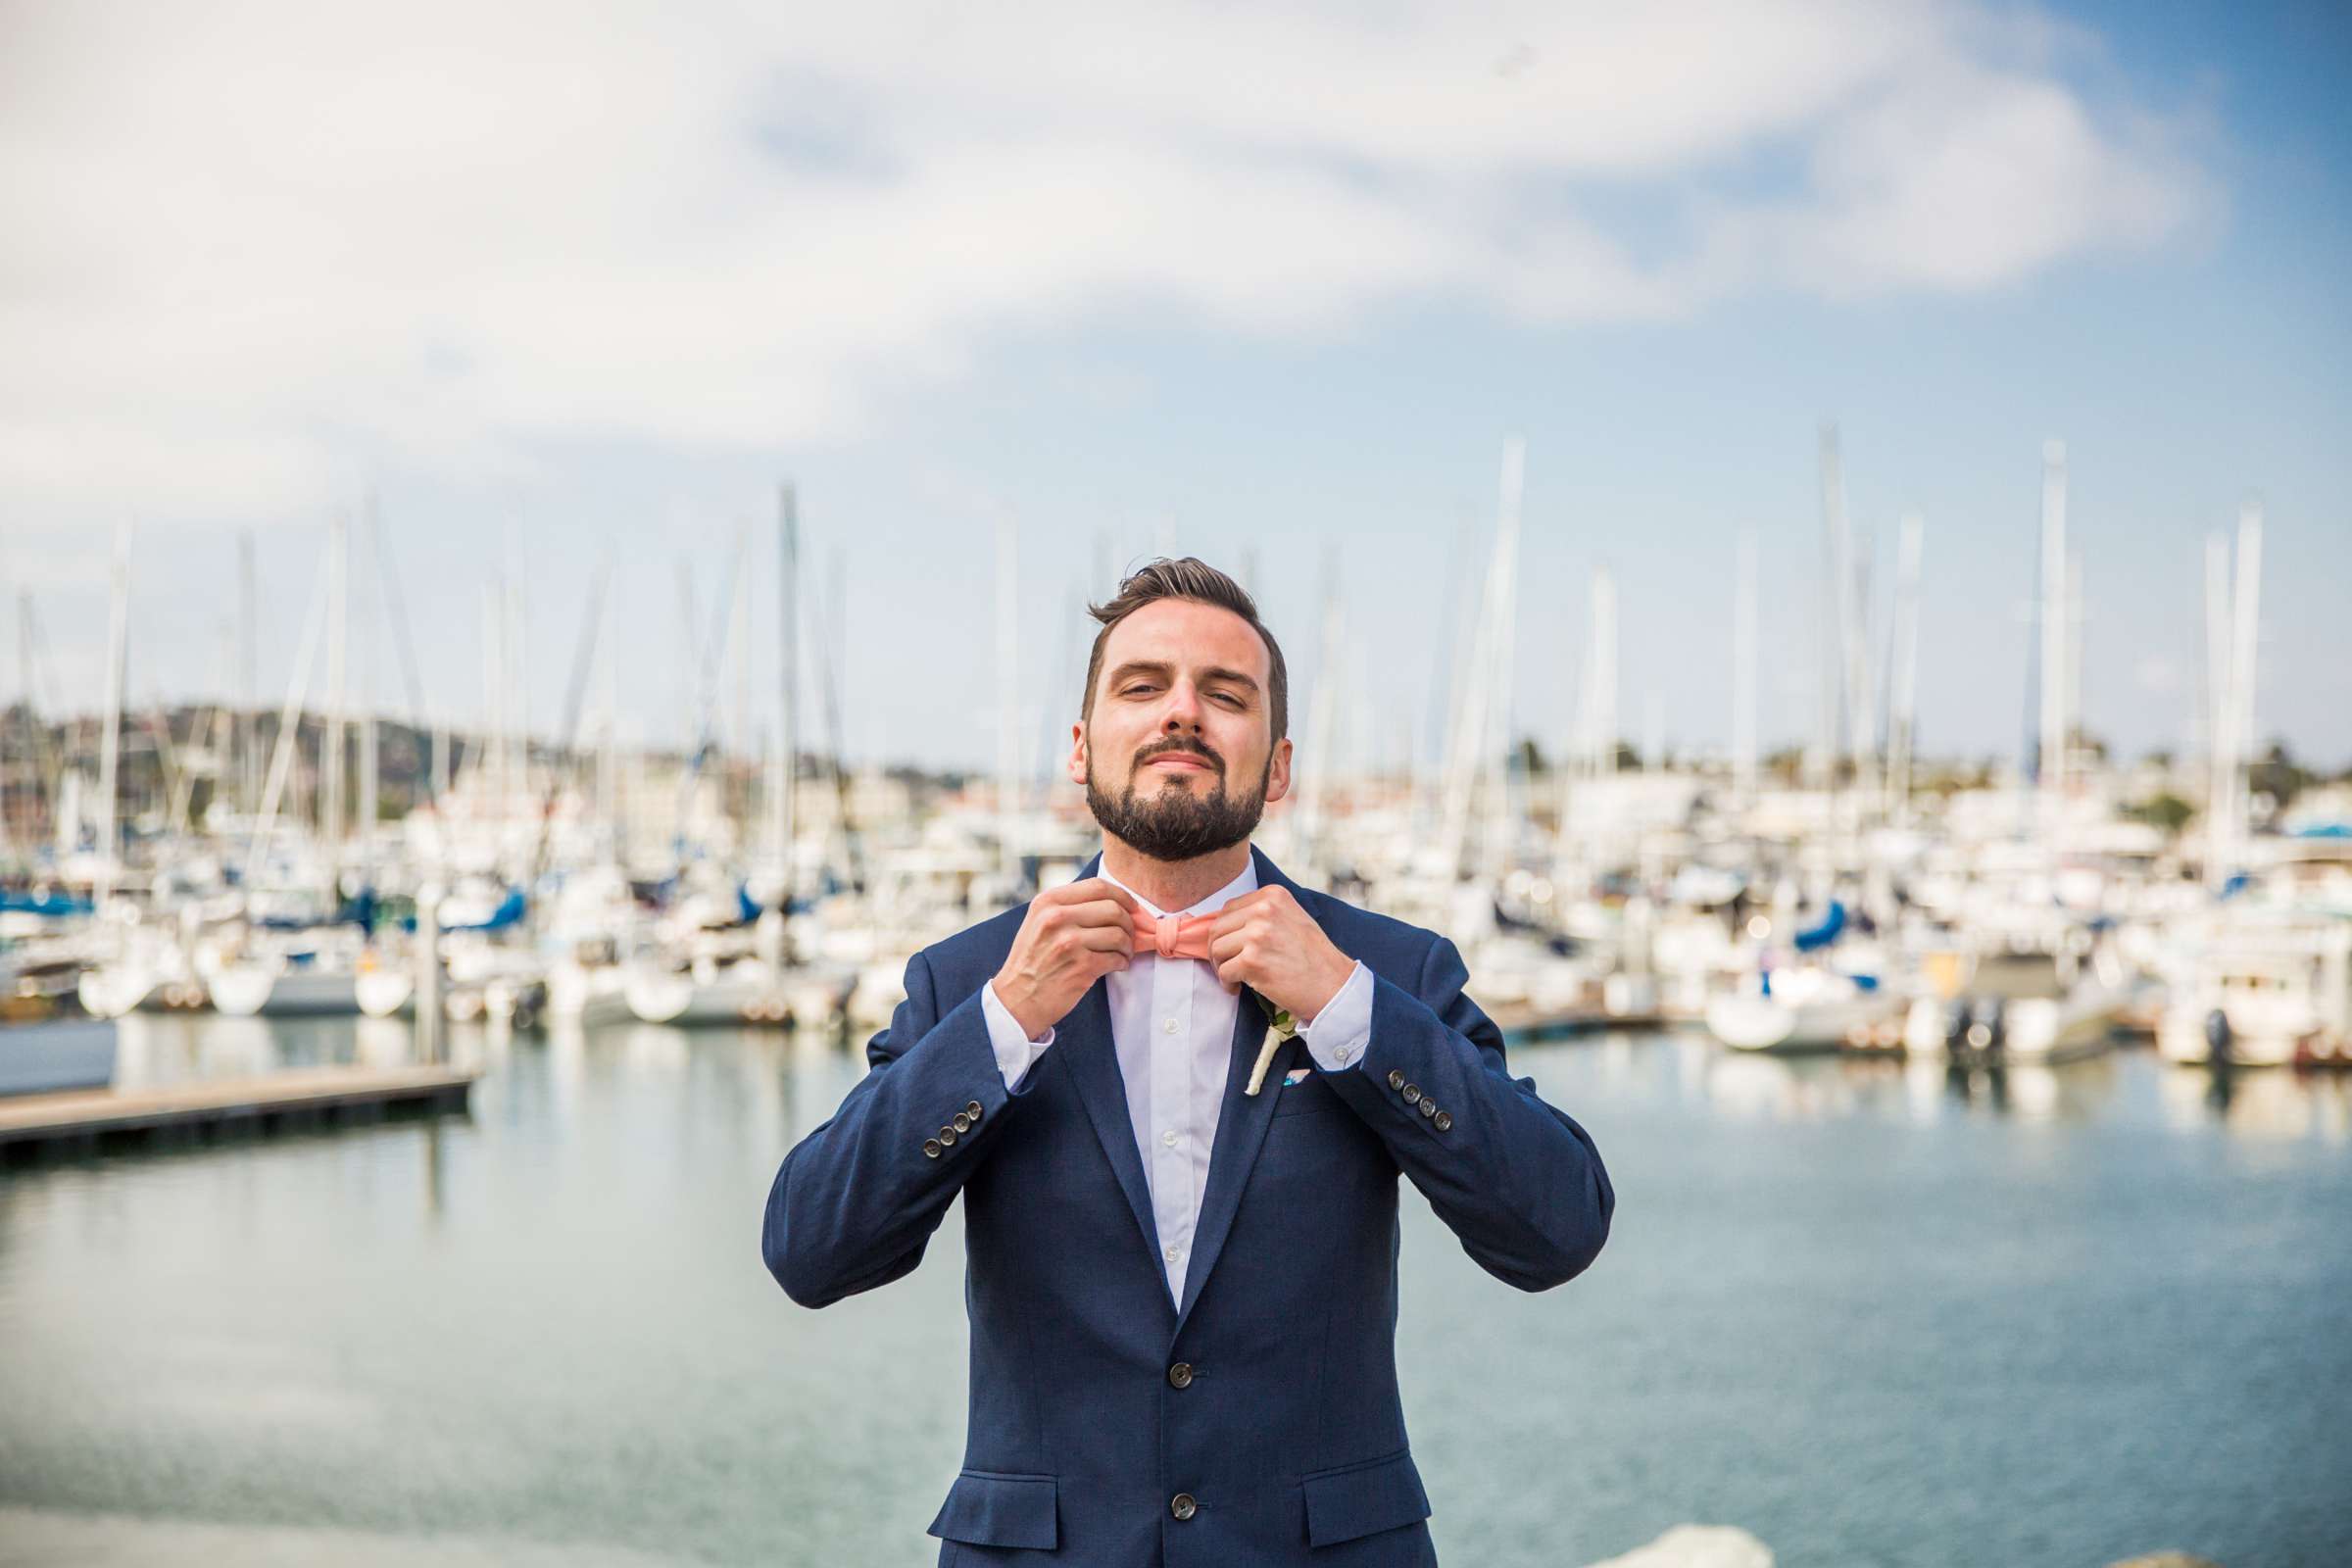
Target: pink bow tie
{"type": "Point", "coordinates": [1174, 936]}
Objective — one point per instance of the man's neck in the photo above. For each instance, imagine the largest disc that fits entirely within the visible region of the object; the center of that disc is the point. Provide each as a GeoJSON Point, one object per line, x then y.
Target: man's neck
{"type": "Point", "coordinates": [1172, 885]}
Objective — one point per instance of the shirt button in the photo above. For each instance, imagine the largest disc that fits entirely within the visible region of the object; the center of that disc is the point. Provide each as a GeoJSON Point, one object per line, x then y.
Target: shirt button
{"type": "Point", "coordinates": [1182, 1505]}
{"type": "Point", "coordinates": [1170, 1137]}
{"type": "Point", "coordinates": [1169, 1026]}
{"type": "Point", "coordinates": [1173, 1253]}
{"type": "Point", "coordinates": [1346, 1054]}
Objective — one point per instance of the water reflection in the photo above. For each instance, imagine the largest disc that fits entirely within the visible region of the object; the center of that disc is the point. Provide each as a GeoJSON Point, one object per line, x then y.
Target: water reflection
{"type": "Point", "coordinates": [2263, 1104]}
{"type": "Point", "coordinates": [769, 1088]}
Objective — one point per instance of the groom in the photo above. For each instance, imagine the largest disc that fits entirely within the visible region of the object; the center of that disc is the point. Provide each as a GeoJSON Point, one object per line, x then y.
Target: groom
{"type": "Point", "coordinates": [1183, 1294]}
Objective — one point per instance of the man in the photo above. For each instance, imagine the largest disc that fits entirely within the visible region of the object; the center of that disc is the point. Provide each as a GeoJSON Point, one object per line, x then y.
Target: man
{"type": "Point", "coordinates": [1183, 1294]}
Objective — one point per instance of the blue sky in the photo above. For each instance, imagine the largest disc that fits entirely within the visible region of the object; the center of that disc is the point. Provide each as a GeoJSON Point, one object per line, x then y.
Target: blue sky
{"type": "Point", "coordinates": [1254, 288]}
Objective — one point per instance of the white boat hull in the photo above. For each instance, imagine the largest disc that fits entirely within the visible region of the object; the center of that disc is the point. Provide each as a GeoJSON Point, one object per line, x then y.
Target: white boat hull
{"type": "Point", "coordinates": [245, 990]}
{"type": "Point", "coordinates": [1768, 1023]}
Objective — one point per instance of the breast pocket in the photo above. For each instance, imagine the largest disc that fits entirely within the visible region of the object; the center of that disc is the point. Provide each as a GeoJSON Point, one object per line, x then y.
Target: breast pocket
{"type": "Point", "coordinates": [1307, 1096]}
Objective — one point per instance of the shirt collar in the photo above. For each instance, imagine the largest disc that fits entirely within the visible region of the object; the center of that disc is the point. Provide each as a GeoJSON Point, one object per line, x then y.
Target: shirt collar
{"type": "Point", "coordinates": [1246, 882]}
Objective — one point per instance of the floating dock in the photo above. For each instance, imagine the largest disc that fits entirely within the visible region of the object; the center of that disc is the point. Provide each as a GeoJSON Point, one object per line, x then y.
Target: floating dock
{"type": "Point", "coordinates": [305, 1097]}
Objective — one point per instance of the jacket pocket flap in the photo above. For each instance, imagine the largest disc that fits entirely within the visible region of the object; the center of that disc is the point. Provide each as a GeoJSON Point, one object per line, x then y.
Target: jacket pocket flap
{"type": "Point", "coordinates": [986, 1508]}
{"type": "Point", "coordinates": [1362, 1499]}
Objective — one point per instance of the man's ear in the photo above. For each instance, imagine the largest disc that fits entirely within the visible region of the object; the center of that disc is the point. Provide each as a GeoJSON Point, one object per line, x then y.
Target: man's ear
{"type": "Point", "coordinates": [1075, 765]}
{"type": "Point", "coordinates": [1278, 777]}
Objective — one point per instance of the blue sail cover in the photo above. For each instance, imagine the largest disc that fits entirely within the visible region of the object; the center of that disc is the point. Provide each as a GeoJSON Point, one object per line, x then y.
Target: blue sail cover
{"type": "Point", "coordinates": [51, 905]}
{"type": "Point", "coordinates": [1821, 934]}
{"type": "Point", "coordinates": [509, 912]}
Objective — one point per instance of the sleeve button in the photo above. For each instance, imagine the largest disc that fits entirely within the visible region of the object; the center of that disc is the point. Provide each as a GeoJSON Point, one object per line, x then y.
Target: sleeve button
{"type": "Point", "coordinates": [946, 1137]}
{"type": "Point", "coordinates": [963, 1122]}
{"type": "Point", "coordinates": [973, 1110]}
{"type": "Point", "coordinates": [930, 1149]}
{"type": "Point", "coordinates": [1396, 1079]}
{"type": "Point", "coordinates": [1412, 1094]}
{"type": "Point", "coordinates": [1445, 1121]}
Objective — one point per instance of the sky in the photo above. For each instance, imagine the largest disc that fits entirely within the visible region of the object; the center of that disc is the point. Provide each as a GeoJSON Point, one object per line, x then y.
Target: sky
{"type": "Point", "coordinates": [542, 286]}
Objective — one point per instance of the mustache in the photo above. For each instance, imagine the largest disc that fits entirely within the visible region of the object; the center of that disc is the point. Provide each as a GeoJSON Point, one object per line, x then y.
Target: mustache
{"type": "Point", "coordinates": [1187, 747]}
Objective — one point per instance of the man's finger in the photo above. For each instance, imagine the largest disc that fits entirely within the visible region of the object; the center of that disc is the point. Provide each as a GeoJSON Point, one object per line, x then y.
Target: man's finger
{"type": "Point", "coordinates": [1232, 917]}
{"type": "Point", "coordinates": [1229, 973]}
{"type": "Point", "coordinates": [1100, 913]}
{"type": "Point", "coordinates": [1226, 946]}
{"type": "Point", "coordinates": [1102, 887]}
{"type": "Point", "coordinates": [1106, 938]}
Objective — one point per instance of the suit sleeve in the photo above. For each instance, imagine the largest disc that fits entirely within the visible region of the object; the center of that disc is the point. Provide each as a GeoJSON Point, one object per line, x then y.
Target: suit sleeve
{"type": "Point", "coordinates": [1518, 1181]}
{"type": "Point", "coordinates": [856, 1201]}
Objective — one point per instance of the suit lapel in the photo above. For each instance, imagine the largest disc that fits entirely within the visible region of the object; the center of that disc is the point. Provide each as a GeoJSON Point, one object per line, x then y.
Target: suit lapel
{"type": "Point", "coordinates": [1083, 1045]}
{"type": "Point", "coordinates": [1242, 1122]}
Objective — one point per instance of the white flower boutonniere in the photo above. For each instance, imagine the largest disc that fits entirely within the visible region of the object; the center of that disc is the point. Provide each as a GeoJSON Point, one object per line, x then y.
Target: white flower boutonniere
{"type": "Point", "coordinates": [1280, 1026]}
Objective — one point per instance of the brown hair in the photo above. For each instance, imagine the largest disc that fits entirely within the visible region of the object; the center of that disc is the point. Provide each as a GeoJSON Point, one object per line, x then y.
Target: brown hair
{"type": "Point", "coordinates": [1196, 580]}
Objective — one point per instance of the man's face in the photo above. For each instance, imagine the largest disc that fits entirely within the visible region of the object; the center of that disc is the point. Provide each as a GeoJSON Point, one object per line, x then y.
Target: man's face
{"type": "Point", "coordinates": [1178, 758]}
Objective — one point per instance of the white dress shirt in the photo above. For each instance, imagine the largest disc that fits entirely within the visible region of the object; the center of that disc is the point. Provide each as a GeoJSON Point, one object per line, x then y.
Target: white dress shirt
{"type": "Point", "coordinates": [1171, 1024]}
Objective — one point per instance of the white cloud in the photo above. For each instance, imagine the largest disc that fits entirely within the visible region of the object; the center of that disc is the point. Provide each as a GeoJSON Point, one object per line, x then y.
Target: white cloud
{"type": "Point", "coordinates": [256, 249]}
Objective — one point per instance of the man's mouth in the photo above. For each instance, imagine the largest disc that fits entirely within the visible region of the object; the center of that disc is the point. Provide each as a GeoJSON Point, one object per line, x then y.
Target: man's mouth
{"type": "Point", "coordinates": [1182, 759]}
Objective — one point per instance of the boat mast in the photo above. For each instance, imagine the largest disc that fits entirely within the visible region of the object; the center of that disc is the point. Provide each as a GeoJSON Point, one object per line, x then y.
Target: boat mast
{"type": "Point", "coordinates": [118, 633]}
{"type": "Point", "coordinates": [1744, 674]}
{"type": "Point", "coordinates": [249, 687]}
{"type": "Point", "coordinates": [1905, 676]}
{"type": "Point", "coordinates": [1503, 658]}
{"type": "Point", "coordinates": [338, 570]}
{"type": "Point", "coordinates": [1008, 711]}
{"type": "Point", "coordinates": [2245, 623]}
{"type": "Point", "coordinates": [2050, 775]}
{"type": "Point", "coordinates": [783, 765]}
{"type": "Point", "coordinates": [368, 732]}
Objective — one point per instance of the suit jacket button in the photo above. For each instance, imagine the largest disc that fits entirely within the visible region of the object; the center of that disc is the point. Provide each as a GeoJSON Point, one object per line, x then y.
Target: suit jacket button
{"type": "Point", "coordinates": [1396, 1079]}
{"type": "Point", "coordinates": [1412, 1094]}
{"type": "Point", "coordinates": [1181, 1375]}
{"type": "Point", "coordinates": [963, 1123]}
{"type": "Point", "coordinates": [1445, 1121]}
{"type": "Point", "coordinates": [930, 1149]}
{"type": "Point", "coordinates": [947, 1136]}
{"type": "Point", "coordinates": [1182, 1505]}
{"type": "Point", "coordinates": [1429, 1108]}
{"type": "Point", "coordinates": [973, 1110]}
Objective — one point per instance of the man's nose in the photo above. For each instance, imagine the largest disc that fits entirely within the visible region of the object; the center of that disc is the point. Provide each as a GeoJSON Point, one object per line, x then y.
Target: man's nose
{"type": "Point", "coordinates": [1183, 712]}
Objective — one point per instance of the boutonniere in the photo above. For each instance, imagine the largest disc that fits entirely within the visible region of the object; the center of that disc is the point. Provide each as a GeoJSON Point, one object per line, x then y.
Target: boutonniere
{"type": "Point", "coordinates": [1280, 1026]}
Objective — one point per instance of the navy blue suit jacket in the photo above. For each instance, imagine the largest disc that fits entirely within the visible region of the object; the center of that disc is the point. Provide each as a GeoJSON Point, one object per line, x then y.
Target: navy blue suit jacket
{"type": "Point", "coordinates": [1257, 1420]}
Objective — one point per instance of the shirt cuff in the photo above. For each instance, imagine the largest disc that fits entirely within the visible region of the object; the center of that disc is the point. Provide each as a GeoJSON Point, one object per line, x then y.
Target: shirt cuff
{"type": "Point", "coordinates": [1016, 1052]}
{"type": "Point", "coordinates": [1339, 1032]}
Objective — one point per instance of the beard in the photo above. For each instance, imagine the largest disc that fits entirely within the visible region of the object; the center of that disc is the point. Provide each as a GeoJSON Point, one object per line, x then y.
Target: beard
{"type": "Point", "coordinates": [1174, 823]}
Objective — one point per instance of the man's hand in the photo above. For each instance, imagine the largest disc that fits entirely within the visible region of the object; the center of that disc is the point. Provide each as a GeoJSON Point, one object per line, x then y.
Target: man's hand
{"type": "Point", "coordinates": [1264, 941]}
{"type": "Point", "coordinates": [1071, 937]}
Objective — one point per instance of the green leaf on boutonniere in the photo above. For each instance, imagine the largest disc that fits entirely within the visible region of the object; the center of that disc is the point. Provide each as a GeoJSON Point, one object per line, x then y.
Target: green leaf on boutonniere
{"type": "Point", "coordinates": [1280, 1026]}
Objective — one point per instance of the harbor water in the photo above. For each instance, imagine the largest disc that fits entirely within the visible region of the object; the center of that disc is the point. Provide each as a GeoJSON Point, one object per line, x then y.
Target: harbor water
{"type": "Point", "coordinates": [1873, 1314]}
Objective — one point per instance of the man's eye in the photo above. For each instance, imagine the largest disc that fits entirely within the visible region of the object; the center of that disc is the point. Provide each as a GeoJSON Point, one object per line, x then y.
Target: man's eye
{"type": "Point", "coordinates": [1140, 686]}
{"type": "Point", "coordinates": [1230, 698]}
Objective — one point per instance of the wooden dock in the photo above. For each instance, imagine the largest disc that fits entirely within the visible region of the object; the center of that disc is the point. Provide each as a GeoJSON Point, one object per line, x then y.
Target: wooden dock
{"type": "Point", "coordinates": [304, 1097]}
